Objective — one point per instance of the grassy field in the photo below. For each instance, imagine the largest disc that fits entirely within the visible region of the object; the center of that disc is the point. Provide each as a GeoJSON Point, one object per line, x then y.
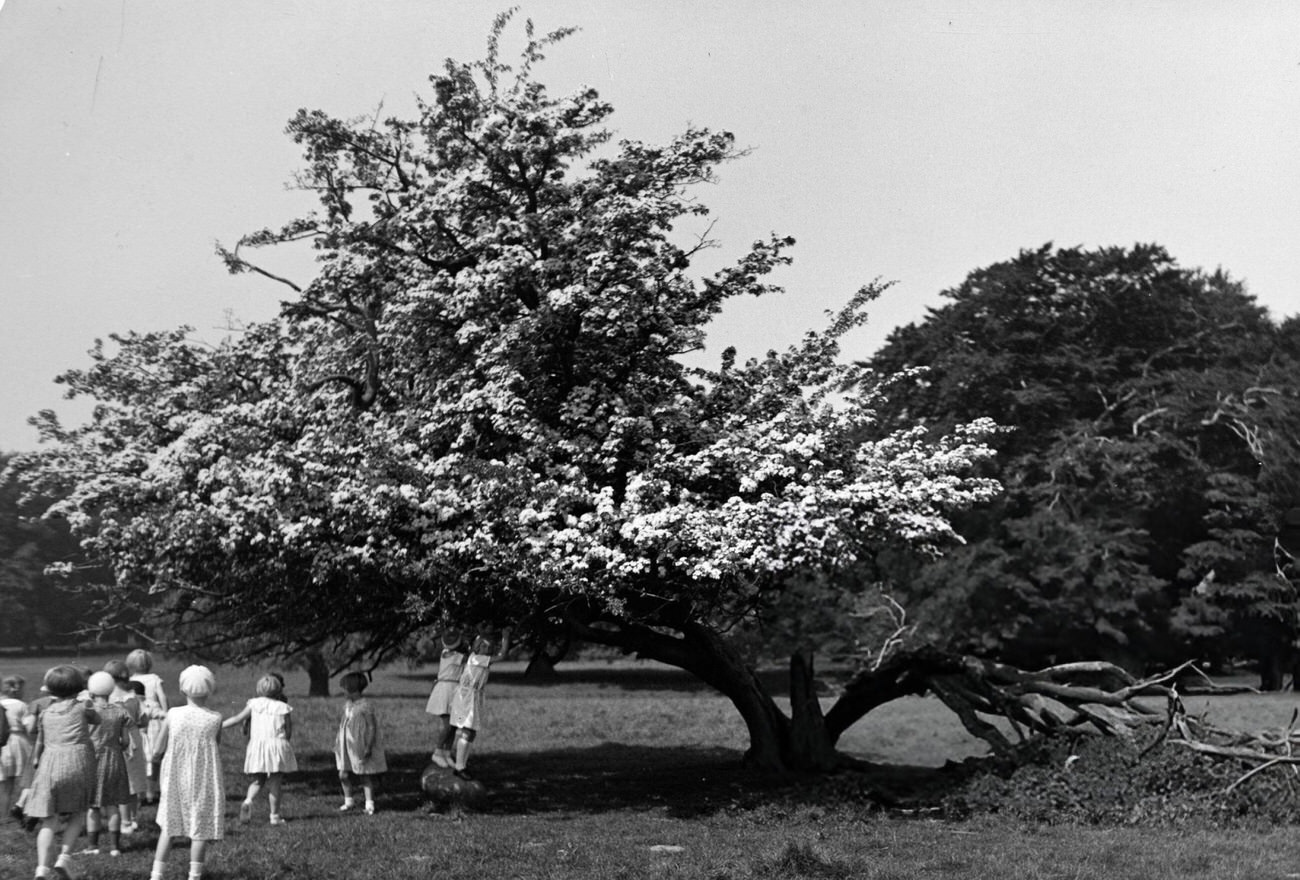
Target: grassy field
{"type": "Point", "coordinates": [630, 771]}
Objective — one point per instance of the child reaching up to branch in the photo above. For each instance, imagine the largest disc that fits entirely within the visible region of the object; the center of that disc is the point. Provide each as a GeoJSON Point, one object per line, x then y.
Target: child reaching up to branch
{"type": "Point", "coordinates": [467, 702]}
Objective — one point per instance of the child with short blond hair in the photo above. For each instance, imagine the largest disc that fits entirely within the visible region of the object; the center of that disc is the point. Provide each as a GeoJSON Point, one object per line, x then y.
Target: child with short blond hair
{"type": "Point", "coordinates": [270, 753]}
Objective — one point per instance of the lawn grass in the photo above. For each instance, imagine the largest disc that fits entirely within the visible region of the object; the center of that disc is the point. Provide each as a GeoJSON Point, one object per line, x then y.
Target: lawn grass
{"type": "Point", "coordinates": [631, 771]}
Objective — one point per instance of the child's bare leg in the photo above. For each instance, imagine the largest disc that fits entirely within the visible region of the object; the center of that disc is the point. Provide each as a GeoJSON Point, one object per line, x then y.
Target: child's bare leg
{"type": "Point", "coordinates": [368, 787]}
{"type": "Point", "coordinates": [246, 808]}
{"type": "Point", "coordinates": [273, 793]}
{"type": "Point", "coordinates": [92, 829]}
{"type": "Point", "coordinates": [345, 780]}
{"type": "Point", "coordinates": [114, 829]}
{"type": "Point", "coordinates": [71, 832]}
{"type": "Point", "coordinates": [198, 848]}
{"type": "Point", "coordinates": [160, 857]}
{"type": "Point", "coordinates": [45, 845]}
{"type": "Point", "coordinates": [442, 734]}
{"type": "Point", "coordinates": [464, 736]}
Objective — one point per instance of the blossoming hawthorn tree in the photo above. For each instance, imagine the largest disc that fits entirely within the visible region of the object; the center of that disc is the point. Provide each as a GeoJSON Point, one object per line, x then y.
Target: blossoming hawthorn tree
{"type": "Point", "coordinates": [476, 410]}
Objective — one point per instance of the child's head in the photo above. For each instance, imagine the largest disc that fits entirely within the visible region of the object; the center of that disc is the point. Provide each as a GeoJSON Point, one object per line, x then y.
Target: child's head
{"type": "Point", "coordinates": [270, 685]}
{"type": "Point", "coordinates": [486, 638]}
{"type": "Point", "coordinates": [12, 686]}
{"type": "Point", "coordinates": [139, 661]}
{"type": "Point", "coordinates": [100, 684]}
{"type": "Point", "coordinates": [354, 683]}
{"type": "Point", "coordinates": [64, 681]}
{"type": "Point", "coordinates": [118, 670]}
{"type": "Point", "coordinates": [197, 681]}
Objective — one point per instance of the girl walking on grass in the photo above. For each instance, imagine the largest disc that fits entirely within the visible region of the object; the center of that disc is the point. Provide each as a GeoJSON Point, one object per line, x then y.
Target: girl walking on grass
{"type": "Point", "coordinates": [358, 750]}
{"type": "Point", "coordinates": [63, 783]}
{"type": "Point", "coordinates": [137, 760]}
{"type": "Point", "coordinates": [112, 740]}
{"type": "Point", "coordinates": [193, 794]}
{"type": "Point", "coordinates": [270, 752]}
{"type": "Point", "coordinates": [16, 751]}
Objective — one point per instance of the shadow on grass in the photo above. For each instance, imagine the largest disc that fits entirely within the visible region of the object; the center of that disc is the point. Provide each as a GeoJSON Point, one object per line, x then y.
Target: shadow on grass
{"type": "Point", "coordinates": [680, 782]}
{"type": "Point", "coordinates": [775, 680]}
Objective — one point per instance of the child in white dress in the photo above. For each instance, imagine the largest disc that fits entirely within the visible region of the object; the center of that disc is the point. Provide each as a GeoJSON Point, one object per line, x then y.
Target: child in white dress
{"type": "Point", "coordinates": [193, 794]}
{"type": "Point", "coordinates": [467, 701]}
{"type": "Point", "coordinates": [16, 751]}
{"type": "Point", "coordinates": [358, 749]}
{"type": "Point", "coordinates": [450, 663]}
{"type": "Point", "coordinates": [270, 752]}
{"type": "Point", "coordinates": [140, 662]}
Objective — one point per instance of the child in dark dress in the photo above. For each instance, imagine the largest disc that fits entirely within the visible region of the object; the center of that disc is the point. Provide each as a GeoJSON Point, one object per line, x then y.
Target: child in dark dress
{"type": "Point", "coordinates": [64, 781]}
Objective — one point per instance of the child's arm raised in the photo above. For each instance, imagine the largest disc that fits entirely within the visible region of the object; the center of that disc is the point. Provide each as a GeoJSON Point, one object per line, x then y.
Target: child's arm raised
{"type": "Point", "coordinates": [505, 645]}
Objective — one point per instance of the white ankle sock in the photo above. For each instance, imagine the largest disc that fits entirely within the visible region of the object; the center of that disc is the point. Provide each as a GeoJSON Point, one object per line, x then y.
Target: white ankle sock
{"type": "Point", "coordinates": [196, 870]}
{"type": "Point", "coordinates": [159, 869]}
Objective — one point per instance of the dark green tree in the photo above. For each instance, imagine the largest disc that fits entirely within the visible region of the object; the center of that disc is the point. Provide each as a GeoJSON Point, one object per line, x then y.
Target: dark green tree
{"type": "Point", "coordinates": [1115, 371]}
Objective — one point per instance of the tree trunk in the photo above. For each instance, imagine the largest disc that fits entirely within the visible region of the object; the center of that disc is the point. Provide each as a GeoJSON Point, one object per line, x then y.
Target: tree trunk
{"type": "Point", "coordinates": [1272, 671]}
{"type": "Point", "coordinates": [318, 675]}
{"type": "Point", "coordinates": [811, 747]}
{"type": "Point", "coordinates": [705, 654]}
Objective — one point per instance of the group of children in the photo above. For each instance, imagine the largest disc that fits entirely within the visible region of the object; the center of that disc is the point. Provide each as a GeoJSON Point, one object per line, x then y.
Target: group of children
{"type": "Point", "coordinates": [98, 744]}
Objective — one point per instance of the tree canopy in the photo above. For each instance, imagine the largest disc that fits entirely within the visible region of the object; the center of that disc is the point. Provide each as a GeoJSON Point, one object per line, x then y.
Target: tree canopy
{"type": "Point", "coordinates": [1151, 459]}
{"type": "Point", "coordinates": [476, 410]}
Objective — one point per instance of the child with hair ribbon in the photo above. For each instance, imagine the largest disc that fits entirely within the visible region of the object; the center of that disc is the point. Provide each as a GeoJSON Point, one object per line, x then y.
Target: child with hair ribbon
{"type": "Point", "coordinates": [358, 750]}
{"type": "Point", "coordinates": [193, 794]}
{"type": "Point", "coordinates": [270, 753]}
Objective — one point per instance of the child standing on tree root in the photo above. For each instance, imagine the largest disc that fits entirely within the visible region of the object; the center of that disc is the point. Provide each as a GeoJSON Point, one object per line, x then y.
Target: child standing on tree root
{"type": "Point", "coordinates": [358, 750]}
{"type": "Point", "coordinates": [270, 754]}
{"type": "Point", "coordinates": [450, 664]}
{"type": "Point", "coordinates": [467, 702]}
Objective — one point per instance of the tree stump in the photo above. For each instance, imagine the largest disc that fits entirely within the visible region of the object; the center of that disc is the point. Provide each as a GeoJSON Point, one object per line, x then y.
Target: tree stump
{"type": "Point", "coordinates": [445, 792]}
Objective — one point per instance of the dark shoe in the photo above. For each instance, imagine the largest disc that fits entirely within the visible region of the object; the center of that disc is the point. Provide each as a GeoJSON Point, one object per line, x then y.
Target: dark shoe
{"type": "Point", "coordinates": [463, 774]}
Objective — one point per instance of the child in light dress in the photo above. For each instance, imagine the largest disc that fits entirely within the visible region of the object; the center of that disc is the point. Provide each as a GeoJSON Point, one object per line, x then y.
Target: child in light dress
{"type": "Point", "coordinates": [15, 751]}
{"type": "Point", "coordinates": [467, 701]}
{"type": "Point", "coordinates": [450, 663]}
{"type": "Point", "coordinates": [112, 740]}
{"type": "Point", "coordinates": [358, 747]}
{"type": "Point", "coordinates": [140, 662]}
{"type": "Point", "coordinates": [270, 752]}
{"type": "Point", "coordinates": [193, 794]}
{"type": "Point", "coordinates": [63, 783]}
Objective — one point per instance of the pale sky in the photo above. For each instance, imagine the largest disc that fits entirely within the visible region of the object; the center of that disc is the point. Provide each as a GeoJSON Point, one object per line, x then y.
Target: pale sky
{"type": "Point", "coordinates": [912, 141]}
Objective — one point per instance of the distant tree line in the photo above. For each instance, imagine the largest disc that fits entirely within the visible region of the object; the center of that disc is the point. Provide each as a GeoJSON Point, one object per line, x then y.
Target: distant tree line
{"type": "Point", "coordinates": [36, 610]}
